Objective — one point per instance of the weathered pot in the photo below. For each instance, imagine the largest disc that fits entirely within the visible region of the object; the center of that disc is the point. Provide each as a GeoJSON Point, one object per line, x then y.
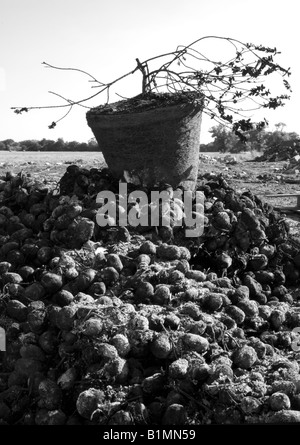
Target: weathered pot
{"type": "Point", "coordinates": [151, 139]}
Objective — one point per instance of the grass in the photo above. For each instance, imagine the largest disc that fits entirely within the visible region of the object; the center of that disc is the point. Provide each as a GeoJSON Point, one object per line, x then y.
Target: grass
{"type": "Point", "coordinates": [11, 157]}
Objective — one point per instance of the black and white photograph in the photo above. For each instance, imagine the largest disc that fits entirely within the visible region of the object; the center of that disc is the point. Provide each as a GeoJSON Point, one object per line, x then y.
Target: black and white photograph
{"type": "Point", "coordinates": [149, 218]}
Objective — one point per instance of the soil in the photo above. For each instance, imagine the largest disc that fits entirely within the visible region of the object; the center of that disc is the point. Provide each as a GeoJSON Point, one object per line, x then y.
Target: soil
{"type": "Point", "coordinates": [146, 102]}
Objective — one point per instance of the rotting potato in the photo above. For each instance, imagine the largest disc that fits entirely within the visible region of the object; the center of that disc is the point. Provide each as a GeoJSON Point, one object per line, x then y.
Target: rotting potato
{"type": "Point", "coordinates": [51, 282]}
{"type": "Point", "coordinates": [121, 343]}
{"type": "Point", "coordinates": [32, 352]}
{"type": "Point", "coordinates": [11, 277]}
{"type": "Point", "coordinates": [26, 272]}
{"type": "Point", "coordinates": [109, 275]}
{"type": "Point", "coordinates": [63, 297]}
{"type": "Point", "coordinates": [162, 295]}
{"type": "Point", "coordinates": [50, 395]}
{"type": "Point", "coordinates": [161, 347]}
{"type": "Point", "coordinates": [66, 381]}
{"type": "Point", "coordinates": [84, 280]}
{"type": "Point", "coordinates": [196, 275]}
{"type": "Point", "coordinates": [5, 266]}
{"type": "Point", "coordinates": [96, 289]}
{"type": "Point", "coordinates": [175, 414]}
{"type": "Point", "coordinates": [117, 369]}
{"type": "Point", "coordinates": [88, 401]}
{"type": "Point", "coordinates": [35, 291]}
{"type": "Point", "coordinates": [83, 298]}
{"type": "Point", "coordinates": [178, 368]}
{"type": "Point", "coordinates": [92, 327]}
{"type": "Point", "coordinates": [17, 310]}
{"type": "Point", "coordinates": [66, 317]}
{"type": "Point", "coordinates": [113, 260]}
{"type": "Point", "coordinates": [48, 342]}
{"type": "Point", "coordinates": [148, 247]}
{"type": "Point", "coordinates": [169, 252]}
{"type": "Point", "coordinates": [194, 342]}
{"type": "Point", "coordinates": [44, 254]}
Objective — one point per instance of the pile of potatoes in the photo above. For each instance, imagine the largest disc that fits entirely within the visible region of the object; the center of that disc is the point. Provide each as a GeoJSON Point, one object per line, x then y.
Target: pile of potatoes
{"type": "Point", "coordinates": [130, 326]}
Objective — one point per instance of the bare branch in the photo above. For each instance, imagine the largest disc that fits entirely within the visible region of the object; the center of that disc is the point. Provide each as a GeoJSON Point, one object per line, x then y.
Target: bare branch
{"type": "Point", "coordinates": [225, 85]}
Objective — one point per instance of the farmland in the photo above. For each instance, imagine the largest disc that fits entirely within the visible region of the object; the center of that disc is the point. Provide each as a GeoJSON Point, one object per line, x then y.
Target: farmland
{"type": "Point", "coordinates": [47, 165]}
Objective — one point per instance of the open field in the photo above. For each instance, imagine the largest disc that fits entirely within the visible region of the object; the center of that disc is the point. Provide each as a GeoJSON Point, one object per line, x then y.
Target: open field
{"type": "Point", "coordinates": [47, 165]}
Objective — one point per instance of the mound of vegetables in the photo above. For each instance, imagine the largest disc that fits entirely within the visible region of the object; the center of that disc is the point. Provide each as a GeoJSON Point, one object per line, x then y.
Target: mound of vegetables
{"type": "Point", "coordinates": [144, 326]}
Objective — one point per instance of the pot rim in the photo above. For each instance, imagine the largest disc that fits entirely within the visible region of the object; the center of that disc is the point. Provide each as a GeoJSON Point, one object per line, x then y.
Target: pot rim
{"type": "Point", "coordinates": [148, 102]}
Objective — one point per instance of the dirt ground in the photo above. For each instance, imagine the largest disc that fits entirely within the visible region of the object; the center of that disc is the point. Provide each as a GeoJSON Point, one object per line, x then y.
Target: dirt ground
{"type": "Point", "coordinates": [47, 166]}
{"type": "Point", "coordinates": [261, 178]}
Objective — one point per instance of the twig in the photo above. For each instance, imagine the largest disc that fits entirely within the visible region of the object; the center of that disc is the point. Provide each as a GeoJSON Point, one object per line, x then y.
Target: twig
{"type": "Point", "coordinates": [223, 85]}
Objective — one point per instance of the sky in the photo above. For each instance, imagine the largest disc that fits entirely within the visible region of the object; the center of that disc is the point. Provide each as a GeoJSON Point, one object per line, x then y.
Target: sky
{"type": "Point", "coordinates": [104, 37]}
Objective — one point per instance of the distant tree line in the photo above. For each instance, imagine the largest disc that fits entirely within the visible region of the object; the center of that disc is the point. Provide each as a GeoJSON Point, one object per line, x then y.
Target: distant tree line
{"type": "Point", "coordinates": [226, 141]}
{"type": "Point", "coordinates": [48, 145]}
